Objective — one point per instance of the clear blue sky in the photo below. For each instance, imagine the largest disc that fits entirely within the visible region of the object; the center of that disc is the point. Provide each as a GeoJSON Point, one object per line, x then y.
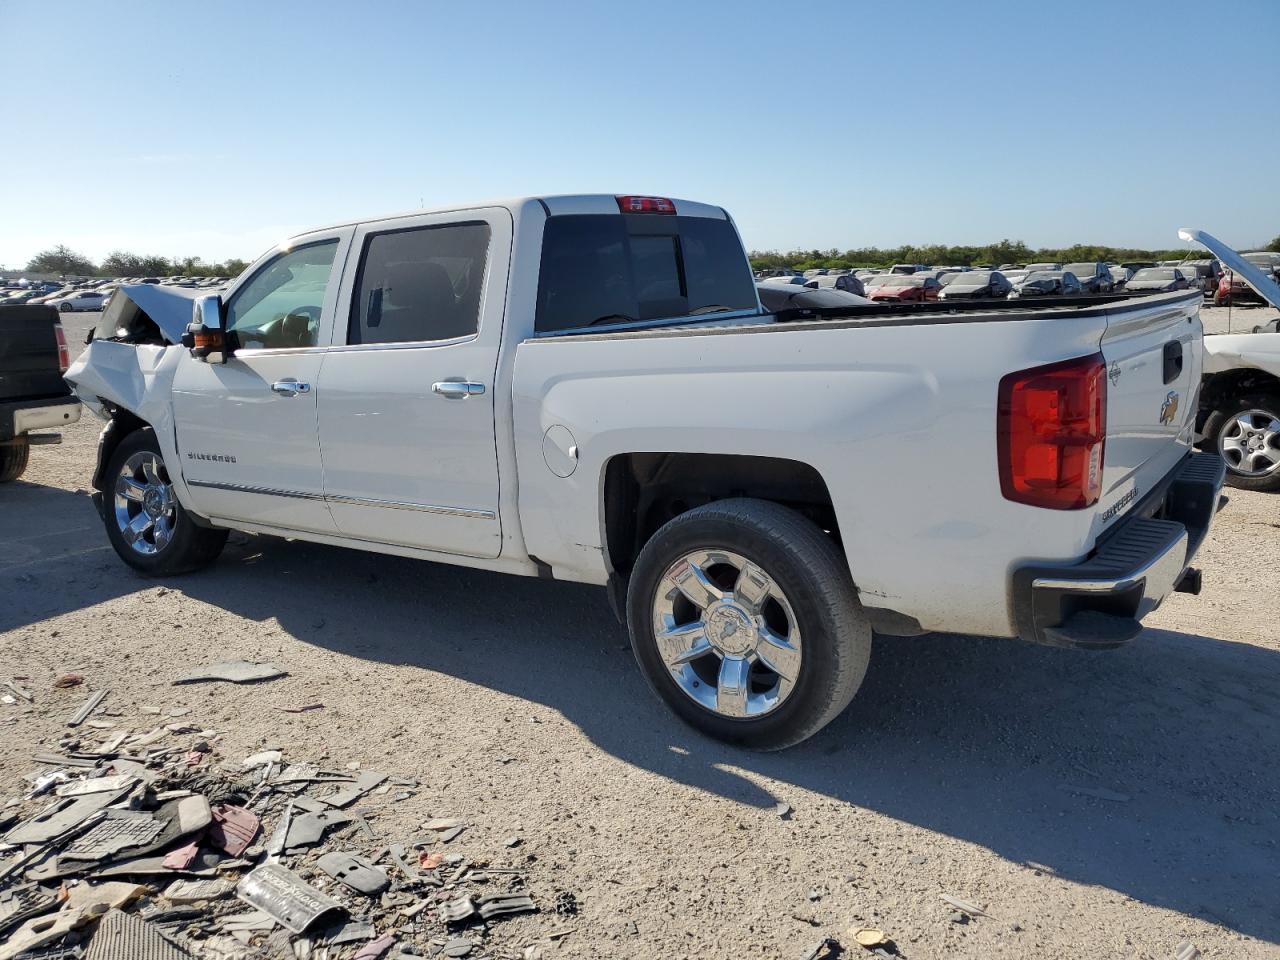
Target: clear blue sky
{"type": "Point", "coordinates": [213, 129]}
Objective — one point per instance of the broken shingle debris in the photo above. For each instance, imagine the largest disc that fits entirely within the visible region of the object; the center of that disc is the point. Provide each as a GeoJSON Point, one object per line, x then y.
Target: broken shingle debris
{"type": "Point", "coordinates": [234, 671]}
{"type": "Point", "coordinates": [118, 806]}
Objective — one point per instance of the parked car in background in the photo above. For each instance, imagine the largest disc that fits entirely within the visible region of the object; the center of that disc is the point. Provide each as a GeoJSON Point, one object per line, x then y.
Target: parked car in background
{"type": "Point", "coordinates": [778, 296]}
{"type": "Point", "coordinates": [846, 282]}
{"type": "Point", "coordinates": [1136, 265]}
{"type": "Point", "coordinates": [1015, 277]}
{"type": "Point", "coordinates": [1203, 275]}
{"type": "Point", "coordinates": [906, 269]}
{"type": "Point", "coordinates": [1157, 280]}
{"type": "Point", "coordinates": [1094, 277]}
{"type": "Point", "coordinates": [1266, 261]}
{"type": "Point", "coordinates": [1119, 277]}
{"type": "Point", "coordinates": [1042, 267]}
{"type": "Point", "coordinates": [1047, 283]}
{"type": "Point", "coordinates": [904, 288]}
{"type": "Point", "coordinates": [975, 285]}
{"type": "Point", "coordinates": [815, 272]}
{"type": "Point", "coordinates": [77, 300]}
{"type": "Point", "coordinates": [1232, 289]}
{"type": "Point", "coordinates": [791, 280]}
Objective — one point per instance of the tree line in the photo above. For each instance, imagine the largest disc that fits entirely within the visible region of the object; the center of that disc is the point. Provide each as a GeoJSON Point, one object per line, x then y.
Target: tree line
{"type": "Point", "coordinates": [1005, 251]}
{"type": "Point", "coordinates": [64, 262]}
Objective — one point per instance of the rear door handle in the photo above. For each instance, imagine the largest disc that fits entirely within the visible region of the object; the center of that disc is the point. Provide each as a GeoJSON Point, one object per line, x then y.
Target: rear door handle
{"type": "Point", "coordinates": [290, 387]}
{"type": "Point", "coordinates": [457, 389]}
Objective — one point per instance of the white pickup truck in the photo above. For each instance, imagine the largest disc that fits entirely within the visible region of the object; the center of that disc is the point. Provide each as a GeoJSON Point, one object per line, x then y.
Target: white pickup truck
{"type": "Point", "coordinates": [586, 388]}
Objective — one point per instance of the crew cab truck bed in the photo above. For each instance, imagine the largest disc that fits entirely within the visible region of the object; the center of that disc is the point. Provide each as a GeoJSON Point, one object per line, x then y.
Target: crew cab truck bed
{"type": "Point", "coordinates": [586, 388]}
{"type": "Point", "coordinates": [33, 395]}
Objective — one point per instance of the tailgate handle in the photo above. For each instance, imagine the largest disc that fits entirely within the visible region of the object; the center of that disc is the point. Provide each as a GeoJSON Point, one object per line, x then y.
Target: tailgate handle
{"type": "Point", "coordinates": [1172, 360]}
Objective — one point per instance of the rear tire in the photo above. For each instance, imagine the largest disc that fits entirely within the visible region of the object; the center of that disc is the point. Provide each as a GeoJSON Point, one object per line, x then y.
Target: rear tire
{"type": "Point", "coordinates": [1232, 427]}
{"type": "Point", "coordinates": [147, 526]}
{"type": "Point", "coordinates": [777, 643]}
{"type": "Point", "coordinates": [14, 458]}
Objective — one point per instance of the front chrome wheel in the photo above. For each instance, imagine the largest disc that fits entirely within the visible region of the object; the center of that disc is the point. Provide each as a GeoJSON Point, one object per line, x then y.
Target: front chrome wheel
{"type": "Point", "coordinates": [727, 633]}
{"type": "Point", "coordinates": [145, 507]}
{"type": "Point", "coordinates": [1250, 443]}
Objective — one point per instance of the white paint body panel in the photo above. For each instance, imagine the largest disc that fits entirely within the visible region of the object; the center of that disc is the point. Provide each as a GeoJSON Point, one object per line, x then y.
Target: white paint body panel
{"type": "Point", "coordinates": [423, 467]}
{"type": "Point", "coordinates": [1231, 351]}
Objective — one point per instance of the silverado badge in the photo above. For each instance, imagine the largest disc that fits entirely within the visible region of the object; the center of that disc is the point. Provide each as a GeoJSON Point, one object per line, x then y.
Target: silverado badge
{"type": "Point", "coordinates": [1169, 409]}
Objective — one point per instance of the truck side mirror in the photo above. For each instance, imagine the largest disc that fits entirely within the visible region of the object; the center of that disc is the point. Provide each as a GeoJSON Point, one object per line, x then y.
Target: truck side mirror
{"type": "Point", "coordinates": [204, 337]}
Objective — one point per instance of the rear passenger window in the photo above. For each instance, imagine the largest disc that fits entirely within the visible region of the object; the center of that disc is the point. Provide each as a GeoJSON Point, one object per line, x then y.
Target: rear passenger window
{"type": "Point", "coordinates": [604, 269]}
{"type": "Point", "coordinates": [420, 285]}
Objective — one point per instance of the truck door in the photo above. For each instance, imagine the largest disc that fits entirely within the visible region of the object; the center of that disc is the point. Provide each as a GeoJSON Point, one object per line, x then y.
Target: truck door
{"type": "Point", "coordinates": [246, 429]}
{"type": "Point", "coordinates": [406, 395]}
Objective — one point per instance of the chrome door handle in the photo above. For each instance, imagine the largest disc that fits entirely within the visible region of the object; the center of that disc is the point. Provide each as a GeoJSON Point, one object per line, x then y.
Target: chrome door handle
{"type": "Point", "coordinates": [457, 389]}
{"type": "Point", "coordinates": [290, 387]}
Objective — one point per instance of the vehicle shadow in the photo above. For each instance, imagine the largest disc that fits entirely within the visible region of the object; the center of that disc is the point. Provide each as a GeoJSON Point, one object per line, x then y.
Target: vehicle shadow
{"type": "Point", "coordinates": [997, 743]}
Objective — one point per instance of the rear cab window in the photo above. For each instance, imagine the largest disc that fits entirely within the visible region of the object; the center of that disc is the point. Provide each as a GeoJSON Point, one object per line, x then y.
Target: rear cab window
{"type": "Point", "coordinates": [601, 270]}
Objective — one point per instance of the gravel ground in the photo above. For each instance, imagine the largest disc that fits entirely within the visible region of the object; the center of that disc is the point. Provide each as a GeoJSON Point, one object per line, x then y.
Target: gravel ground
{"type": "Point", "coordinates": [969, 767]}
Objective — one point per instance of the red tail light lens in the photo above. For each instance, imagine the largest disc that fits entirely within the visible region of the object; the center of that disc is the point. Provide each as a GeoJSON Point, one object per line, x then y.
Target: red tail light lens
{"type": "Point", "coordinates": [645, 205]}
{"type": "Point", "coordinates": [64, 357]}
{"type": "Point", "coordinates": [1051, 431]}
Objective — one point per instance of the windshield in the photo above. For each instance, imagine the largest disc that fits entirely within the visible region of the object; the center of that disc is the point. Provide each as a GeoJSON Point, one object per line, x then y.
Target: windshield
{"type": "Point", "coordinates": [1080, 269]}
{"type": "Point", "coordinates": [972, 278]}
{"type": "Point", "coordinates": [896, 281]}
{"type": "Point", "coordinates": [1043, 275]}
{"type": "Point", "coordinates": [1155, 273]}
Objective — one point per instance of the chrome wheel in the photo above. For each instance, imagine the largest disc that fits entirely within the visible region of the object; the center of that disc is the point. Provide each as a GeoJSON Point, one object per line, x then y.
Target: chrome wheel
{"type": "Point", "coordinates": [727, 633]}
{"type": "Point", "coordinates": [145, 507]}
{"type": "Point", "coordinates": [1250, 443]}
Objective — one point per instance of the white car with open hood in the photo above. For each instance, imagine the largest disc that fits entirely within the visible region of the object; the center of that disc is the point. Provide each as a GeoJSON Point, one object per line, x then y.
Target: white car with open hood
{"type": "Point", "coordinates": [587, 388]}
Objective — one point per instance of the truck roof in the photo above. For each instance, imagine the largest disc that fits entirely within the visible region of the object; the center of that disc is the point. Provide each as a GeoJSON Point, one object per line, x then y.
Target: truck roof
{"type": "Point", "coordinates": [553, 205]}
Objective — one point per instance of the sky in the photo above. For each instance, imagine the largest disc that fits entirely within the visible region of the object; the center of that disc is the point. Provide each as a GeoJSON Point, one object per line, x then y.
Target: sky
{"type": "Point", "coordinates": [217, 129]}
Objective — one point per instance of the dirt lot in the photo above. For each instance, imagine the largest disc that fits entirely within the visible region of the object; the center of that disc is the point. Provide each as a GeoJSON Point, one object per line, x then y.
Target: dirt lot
{"type": "Point", "coordinates": [958, 770]}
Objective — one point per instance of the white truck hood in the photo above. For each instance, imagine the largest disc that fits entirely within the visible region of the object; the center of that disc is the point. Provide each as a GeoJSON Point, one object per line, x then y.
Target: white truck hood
{"type": "Point", "coordinates": [1268, 288]}
{"type": "Point", "coordinates": [169, 307]}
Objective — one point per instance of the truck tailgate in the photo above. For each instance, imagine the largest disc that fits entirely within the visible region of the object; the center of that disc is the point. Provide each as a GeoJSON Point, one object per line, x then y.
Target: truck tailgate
{"type": "Point", "coordinates": [1153, 357]}
{"type": "Point", "coordinates": [29, 365]}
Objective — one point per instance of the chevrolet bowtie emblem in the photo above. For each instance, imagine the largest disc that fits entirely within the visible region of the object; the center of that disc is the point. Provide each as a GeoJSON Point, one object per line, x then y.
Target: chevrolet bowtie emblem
{"type": "Point", "coordinates": [1114, 373]}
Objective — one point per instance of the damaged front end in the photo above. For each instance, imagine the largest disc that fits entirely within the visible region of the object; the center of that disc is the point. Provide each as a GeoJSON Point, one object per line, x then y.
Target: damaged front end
{"type": "Point", "coordinates": [125, 374]}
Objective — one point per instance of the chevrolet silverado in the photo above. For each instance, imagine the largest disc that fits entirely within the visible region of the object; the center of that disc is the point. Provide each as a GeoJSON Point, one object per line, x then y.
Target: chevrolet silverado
{"type": "Point", "coordinates": [587, 388]}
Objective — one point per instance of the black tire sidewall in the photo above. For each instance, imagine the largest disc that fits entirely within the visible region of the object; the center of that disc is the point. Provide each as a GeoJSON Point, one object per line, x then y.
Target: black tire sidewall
{"type": "Point", "coordinates": [1220, 417]}
{"type": "Point", "coordinates": [188, 547]}
{"type": "Point", "coordinates": [14, 458]}
{"type": "Point", "coordinates": [804, 709]}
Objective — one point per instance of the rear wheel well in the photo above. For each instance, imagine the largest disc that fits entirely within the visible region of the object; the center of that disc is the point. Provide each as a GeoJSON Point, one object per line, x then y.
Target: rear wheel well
{"type": "Point", "coordinates": [1219, 389]}
{"type": "Point", "coordinates": [642, 491]}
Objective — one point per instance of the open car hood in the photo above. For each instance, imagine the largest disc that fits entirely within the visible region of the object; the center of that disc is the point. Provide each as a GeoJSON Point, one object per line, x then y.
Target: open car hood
{"type": "Point", "coordinates": [1267, 287]}
{"type": "Point", "coordinates": [168, 308]}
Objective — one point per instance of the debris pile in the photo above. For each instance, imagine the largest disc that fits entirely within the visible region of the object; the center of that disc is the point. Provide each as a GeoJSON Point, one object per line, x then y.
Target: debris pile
{"type": "Point", "coordinates": [129, 844]}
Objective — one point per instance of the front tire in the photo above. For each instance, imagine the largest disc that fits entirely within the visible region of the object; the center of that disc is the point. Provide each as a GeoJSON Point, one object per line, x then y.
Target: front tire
{"type": "Point", "coordinates": [14, 458]}
{"type": "Point", "coordinates": [743, 619]}
{"type": "Point", "coordinates": [1246, 434]}
{"type": "Point", "coordinates": [64, 308]}
{"type": "Point", "coordinates": [149, 528]}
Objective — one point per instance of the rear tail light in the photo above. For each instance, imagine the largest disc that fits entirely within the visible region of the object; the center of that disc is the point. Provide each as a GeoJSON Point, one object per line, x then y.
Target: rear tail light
{"type": "Point", "coordinates": [646, 205]}
{"type": "Point", "coordinates": [64, 358]}
{"type": "Point", "coordinates": [1051, 432]}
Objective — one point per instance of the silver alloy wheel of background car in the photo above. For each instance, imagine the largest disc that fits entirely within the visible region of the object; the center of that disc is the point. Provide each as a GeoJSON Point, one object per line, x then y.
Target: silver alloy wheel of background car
{"type": "Point", "coordinates": [1250, 443]}
{"type": "Point", "coordinates": [727, 633]}
{"type": "Point", "coordinates": [145, 507]}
